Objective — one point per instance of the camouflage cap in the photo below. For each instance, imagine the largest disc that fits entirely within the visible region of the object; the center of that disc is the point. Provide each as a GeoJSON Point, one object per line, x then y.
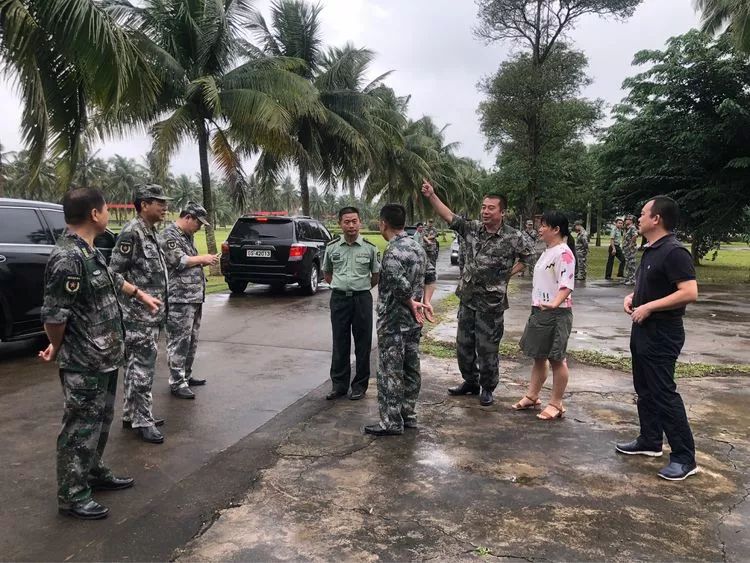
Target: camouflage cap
{"type": "Point", "coordinates": [197, 211]}
{"type": "Point", "coordinates": [150, 191]}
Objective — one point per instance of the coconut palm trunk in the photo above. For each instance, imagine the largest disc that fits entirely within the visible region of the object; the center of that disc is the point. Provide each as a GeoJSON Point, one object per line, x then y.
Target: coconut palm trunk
{"type": "Point", "coordinates": [208, 200]}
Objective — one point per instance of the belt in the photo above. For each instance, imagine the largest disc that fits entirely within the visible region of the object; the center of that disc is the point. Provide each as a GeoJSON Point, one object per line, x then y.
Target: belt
{"type": "Point", "coordinates": [349, 293]}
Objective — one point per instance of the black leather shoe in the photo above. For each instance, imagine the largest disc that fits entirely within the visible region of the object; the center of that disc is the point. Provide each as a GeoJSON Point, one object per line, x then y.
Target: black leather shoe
{"type": "Point", "coordinates": [636, 448]}
{"type": "Point", "coordinates": [129, 424]}
{"type": "Point", "coordinates": [485, 399]}
{"type": "Point", "coordinates": [678, 471]}
{"type": "Point", "coordinates": [377, 430]}
{"type": "Point", "coordinates": [357, 395]}
{"type": "Point", "coordinates": [86, 510]}
{"type": "Point", "coordinates": [464, 389]}
{"type": "Point", "coordinates": [111, 484]}
{"type": "Point", "coordinates": [196, 382]}
{"type": "Point", "coordinates": [335, 395]}
{"type": "Point", "coordinates": [150, 434]}
{"type": "Point", "coordinates": [411, 424]}
{"type": "Point", "coordinates": [183, 393]}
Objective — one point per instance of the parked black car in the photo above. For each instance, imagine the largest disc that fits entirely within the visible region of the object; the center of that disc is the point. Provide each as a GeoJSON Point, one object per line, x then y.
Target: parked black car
{"type": "Point", "coordinates": [28, 231]}
{"type": "Point", "coordinates": [275, 251]}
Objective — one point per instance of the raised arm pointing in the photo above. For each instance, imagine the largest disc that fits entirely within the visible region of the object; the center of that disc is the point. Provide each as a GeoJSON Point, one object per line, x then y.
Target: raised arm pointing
{"type": "Point", "coordinates": [440, 208]}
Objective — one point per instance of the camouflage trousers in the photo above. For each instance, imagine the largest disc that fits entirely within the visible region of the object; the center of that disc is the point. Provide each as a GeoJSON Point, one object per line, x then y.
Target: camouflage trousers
{"type": "Point", "coordinates": [141, 342]}
{"type": "Point", "coordinates": [630, 266]}
{"type": "Point", "coordinates": [399, 378]}
{"type": "Point", "coordinates": [89, 407]}
{"type": "Point", "coordinates": [478, 346]}
{"type": "Point", "coordinates": [183, 326]}
{"type": "Point", "coordinates": [581, 266]}
{"type": "Point", "coordinates": [432, 256]}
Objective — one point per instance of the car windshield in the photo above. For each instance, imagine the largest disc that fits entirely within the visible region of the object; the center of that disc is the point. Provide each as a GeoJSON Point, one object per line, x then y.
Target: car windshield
{"type": "Point", "coordinates": [251, 229]}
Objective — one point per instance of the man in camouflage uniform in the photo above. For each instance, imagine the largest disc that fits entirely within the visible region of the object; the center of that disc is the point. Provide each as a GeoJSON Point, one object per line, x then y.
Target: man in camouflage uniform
{"type": "Point", "coordinates": [494, 253]}
{"type": "Point", "coordinates": [187, 291]}
{"type": "Point", "coordinates": [429, 242]}
{"type": "Point", "coordinates": [532, 236]}
{"type": "Point", "coordinates": [139, 258]}
{"type": "Point", "coordinates": [83, 321]}
{"type": "Point", "coordinates": [630, 249]}
{"type": "Point", "coordinates": [582, 251]}
{"type": "Point", "coordinates": [400, 317]}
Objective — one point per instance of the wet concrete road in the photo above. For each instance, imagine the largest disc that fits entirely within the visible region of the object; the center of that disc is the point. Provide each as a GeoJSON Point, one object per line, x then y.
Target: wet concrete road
{"type": "Point", "coordinates": [260, 352]}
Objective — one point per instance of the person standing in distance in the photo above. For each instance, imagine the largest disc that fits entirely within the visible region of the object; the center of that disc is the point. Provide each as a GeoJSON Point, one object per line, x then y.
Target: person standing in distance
{"type": "Point", "coordinates": [582, 251]}
{"type": "Point", "coordinates": [400, 318]}
{"type": "Point", "coordinates": [351, 267]}
{"type": "Point", "coordinates": [665, 284]}
{"type": "Point", "coordinates": [429, 242]}
{"type": "Point", "coordinates": [419, 232]}
{"type": "Point", "coordinates": [532, 236]}
{"type": "Point", "coordinates": [615, 251]}
{"type": "Point", "coordinates": [187, 292]}
{"type": "Point", "coordinates": [630, 249]}
{"type": "Point", "coordinates": [494, 253]}
{"type": "Point", "coordinates": [83, 321]}
{"type": "Point", "coordinates": [138, 257]}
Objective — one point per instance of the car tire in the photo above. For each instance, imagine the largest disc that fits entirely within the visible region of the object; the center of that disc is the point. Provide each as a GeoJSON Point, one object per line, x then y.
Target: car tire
{"type": "Point", "coordinates": [310, 286]}
{"type": "Point", "coordinates": [237, 287]}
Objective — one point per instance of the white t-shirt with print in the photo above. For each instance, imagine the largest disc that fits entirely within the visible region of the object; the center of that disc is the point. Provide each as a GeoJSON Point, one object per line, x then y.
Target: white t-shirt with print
{"type": "Point", "coordinates": [555, 270]}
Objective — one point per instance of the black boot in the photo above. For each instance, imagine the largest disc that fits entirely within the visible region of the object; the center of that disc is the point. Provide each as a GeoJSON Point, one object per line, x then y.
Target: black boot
{"type": "Point", "coordinates": [87, 509]}
{"type": "Point", "coordinates": [485, 399]}
{"type": "Point", "coordinates": [193, 382]}
{"type": "Point", "coordinates": [377, 430]}
{"type": "Point", "coordinates": [129, 424]}
{"type": "Point", "coordinates": [183, 393]}
{"type": "Point", "coordinates": [150, 434]}
{"type": "Point", "coordinates": [464, 389]}
{"type": "Point", "coordinates": [112, 483]}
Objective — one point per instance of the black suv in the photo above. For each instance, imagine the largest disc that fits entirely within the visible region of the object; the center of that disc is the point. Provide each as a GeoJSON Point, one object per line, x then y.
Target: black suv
{"type": "Point", "coordinates": [275, 251]}
{"type": "Point", "coordinates": [28, 231]}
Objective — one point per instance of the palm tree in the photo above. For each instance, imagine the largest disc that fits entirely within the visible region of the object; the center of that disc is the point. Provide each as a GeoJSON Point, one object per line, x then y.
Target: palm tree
{"type": "Point", "coordinates": [289, 196]}
{"type": "Point", "coordinates": [5, 157]}
{"type": "Point", "coordinates": [727, 15]}
{"type": "Point", "coordinates": [217, 89]}
{"type": "Point", "coordinates": [338, 142]}
{"type": "Point", "coordinates": [123, 176]}
{"type": "Point", "coordinates": [68, 56]}
{"type": "Point", "coordinates": [183, 190]}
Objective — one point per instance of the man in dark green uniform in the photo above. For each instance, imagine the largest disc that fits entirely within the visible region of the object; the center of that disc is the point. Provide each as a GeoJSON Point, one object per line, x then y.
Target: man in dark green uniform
{"type": "Point", "coordinates": [83, 321]}
{"type": "Point", "coordinates": [351, 267]}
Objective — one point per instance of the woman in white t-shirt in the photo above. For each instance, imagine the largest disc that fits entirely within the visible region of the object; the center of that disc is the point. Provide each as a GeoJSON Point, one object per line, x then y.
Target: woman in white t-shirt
{"type": "Point", "coordinates": [545, 337]}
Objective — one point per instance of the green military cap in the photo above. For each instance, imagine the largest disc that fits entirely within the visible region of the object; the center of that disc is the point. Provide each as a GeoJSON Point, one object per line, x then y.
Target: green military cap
{"type": "Point", "coordinates": [197, 211]}
{"type": "Point", "coordinates": [150, 191]}
{"type": "Point", "coordinates": [579, 222]}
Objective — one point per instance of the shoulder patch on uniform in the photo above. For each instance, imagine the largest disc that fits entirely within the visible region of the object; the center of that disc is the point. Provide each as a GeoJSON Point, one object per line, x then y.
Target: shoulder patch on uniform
{"type": "Point", "coordinates": [126, 247]}
{"type": "Point", "coordinates": [171, 244]}
{"type": "Point", "coordinates": [370, 243]}
{"type": "Point", "coordinates": [72, 284]}
{"type": "Point", "coordinates": [334, 240]}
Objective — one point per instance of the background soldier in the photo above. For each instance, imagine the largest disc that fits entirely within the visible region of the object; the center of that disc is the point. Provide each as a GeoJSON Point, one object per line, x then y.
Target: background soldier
{"type": "Point", "coordinates": [351, 267]}
{"type": "Point", "coordinates": [532, 235]}
{"type": "Point", "coordinates": [83, 321]}
{"type": "Point", "coordinates": [582, 251]}
{"type": "Point", "coordinates": [615, 251]}
{"type": "Point", "coordinates": [429, 242]}
{"type": "Point", "coordinates": [187, 292]}
{"type": "Point", "coordinates": [419, 232]}
{"type": "Point", "coordinates": [494, 253]}
{"type": "Point", "coordinates": [138, 257]}
{"type": "Point", "coordinates": [630, 249]}
{"type": "Point", "coordinates": [400, 319]}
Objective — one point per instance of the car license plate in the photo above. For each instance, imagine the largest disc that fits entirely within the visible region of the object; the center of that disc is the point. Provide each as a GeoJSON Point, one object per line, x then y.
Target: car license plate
{"type": "Point", "coordinates": [258, 253]}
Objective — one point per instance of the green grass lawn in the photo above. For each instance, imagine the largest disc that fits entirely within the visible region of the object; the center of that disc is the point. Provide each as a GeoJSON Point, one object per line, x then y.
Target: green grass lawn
{"type": "Point", "coordinates": [730, 266]}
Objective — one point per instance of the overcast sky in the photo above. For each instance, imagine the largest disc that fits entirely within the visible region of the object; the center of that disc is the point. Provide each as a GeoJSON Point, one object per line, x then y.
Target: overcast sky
{"type": "Point", "coordinates": [430, 46]}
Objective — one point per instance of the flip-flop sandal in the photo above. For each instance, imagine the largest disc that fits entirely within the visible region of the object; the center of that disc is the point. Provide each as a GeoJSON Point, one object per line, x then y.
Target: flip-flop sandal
{"type": "Point", "coordinates": [560, 412]}
{"type": "Point", "coordinates": [534, 404]}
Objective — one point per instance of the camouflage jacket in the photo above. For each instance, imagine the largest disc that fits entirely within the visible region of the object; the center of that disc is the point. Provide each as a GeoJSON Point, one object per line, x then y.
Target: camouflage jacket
{"type": "Point", "coordinates": [402, 274]}
{"type": "Point", "coordinates": [582, 243]}
{"type": "Point", "coordinates": [429, 245]}
{"type": "Point", "coordinates": [138, 257]}
{"type": "Point", "coordinates": [630, 239]}
{"type": "Point", "coordinates": [81, 291]}
{"type": "Point", "coordinates": [490, 257]}
{"type": "Point", "coordinates": [187, 284]}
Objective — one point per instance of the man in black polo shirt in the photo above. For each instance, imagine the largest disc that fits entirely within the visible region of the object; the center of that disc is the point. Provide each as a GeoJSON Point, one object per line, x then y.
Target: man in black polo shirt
{"type": "Point", "coordinates": [665, 284]}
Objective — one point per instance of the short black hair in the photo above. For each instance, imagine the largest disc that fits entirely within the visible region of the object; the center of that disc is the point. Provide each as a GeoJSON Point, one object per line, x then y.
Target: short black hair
{"type": "Point", "coordinates": [420, 225]}
{"type": "Point", "coordinates": [501, 198]}
{"type": "Point", "coordinates": [346, 210]}
{"type": "Point", "coordinates": [184, 214]}
{"type": "Point", "coordinates": [666, 208]}
{"type": "Point", "coordinates": [394, 214]}
{"type": "Point", "coordinates": [78, 204]}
